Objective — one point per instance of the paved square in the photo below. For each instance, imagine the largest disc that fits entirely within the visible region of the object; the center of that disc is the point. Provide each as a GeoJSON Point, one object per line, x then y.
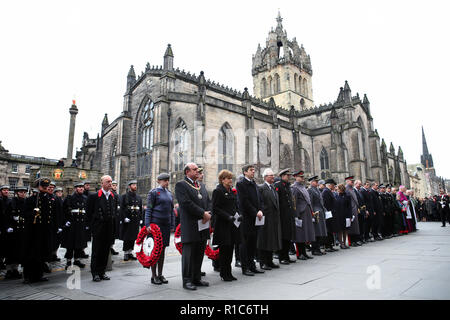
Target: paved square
{"type": "Point", "coordinates": [415, 266]}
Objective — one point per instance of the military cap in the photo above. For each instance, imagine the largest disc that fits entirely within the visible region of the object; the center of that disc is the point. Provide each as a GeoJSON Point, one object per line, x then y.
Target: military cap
{"type": "Point", "coordinates": [350, 178]}
{"type": "Point", "coordinates": [52, 183]}
{"type": "Point", "coordinates": [20, 189]}
{"type": "Point", "coordinates": [86, 182]}
{"type": "Point", "coordinates": [163, 176]}
{"type": "Point", "coordinates": [285, 171]}
{"type": "Point", "coordinates": [132, 182]}
{"type": "Point", "coordinates": [35, 190]}
{"type": "Point", "coordinates": [200, 170]}
{"type": "Point", "coordinates": [43, 182]}
{"type": "Point", "coordinates": [58, 189]}
{"type": "Point", "coordinates": [381, 186]}
{"type": "Point", "coordinates": [389, 185]}
{"type": "Point", "coordinates": [330, 181]}
{"type": "Point", "coordinates": [300, 173]}
{"type": "Point", "coordinates": [316, 178]}
{"type": "Point", "coordinates": [321, 181]}
{"type": "Point", "coordinates": [114, 182]}
{"type": "Point", "coordinates": [78, 184]}
{"type": "Point", "coordinates": [5, 186]}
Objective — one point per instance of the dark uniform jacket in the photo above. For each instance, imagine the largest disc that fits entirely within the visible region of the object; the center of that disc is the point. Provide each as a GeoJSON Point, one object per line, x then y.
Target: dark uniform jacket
{"type": "Point", "coordinates": [74, 236]}
{"type": "Point", "coordinates": [100, 212]}
{"type": "Point", "coordinates": [287, 211]}
{"type": "Point", "coordinates": [191, 210]}
{"type": "Point", "coordinates": [269, 237]}
{"type": "Point", "coordinates": [131, 208]}
{"type": "Point", "coordinates": [376, 201]}
{"type": "Point", "coordinates": [224, 207]}
{"type": "Point", "coordinates": [16, 240]}
{"type": "Point", "coordinates": [367, 199]}
{"type": "Point", "coordinates": [249, 204]}
{"type": "Point", "coordinates": [329, 202]}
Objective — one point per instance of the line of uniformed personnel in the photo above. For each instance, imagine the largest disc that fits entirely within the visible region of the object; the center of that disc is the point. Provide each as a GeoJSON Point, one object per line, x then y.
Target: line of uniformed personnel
{"type": "Point", "coordinates": [32, 228]}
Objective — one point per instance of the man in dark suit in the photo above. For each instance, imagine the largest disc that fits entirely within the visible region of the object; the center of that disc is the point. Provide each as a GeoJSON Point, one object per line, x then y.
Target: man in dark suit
{"type": "Point", "coordinates": [269, 238]}
{"type": "Point", "coordinates": [250, 208]}
{"type": "Point", "coordinates": [377, 212]}
{"type": "Point", "coordinates": [443, 203]}
{"type": "Point", "coordinates": [368, 221]}
{"type": "Point", "coordinates": [192, 210]}
{"type": "Point", "coordinates": [361, 214]}
{"type": "Point", "coordinates": [101, 208]}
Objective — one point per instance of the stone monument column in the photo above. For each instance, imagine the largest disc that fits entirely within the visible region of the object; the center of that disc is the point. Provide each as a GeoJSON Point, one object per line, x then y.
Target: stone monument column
{"type": "Point", "coordinates": [73, 113]}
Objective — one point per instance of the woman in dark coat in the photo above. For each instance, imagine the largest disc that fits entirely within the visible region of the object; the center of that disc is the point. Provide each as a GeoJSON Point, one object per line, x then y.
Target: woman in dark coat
{"type": "Point", "coordinates": [226, 234]}
{"type": "Point", "coordinates": [160, 211]}
{"type": "Point", "coordinates": [329, 202]}
{"type": "Point", "coordinates": [343, 212]}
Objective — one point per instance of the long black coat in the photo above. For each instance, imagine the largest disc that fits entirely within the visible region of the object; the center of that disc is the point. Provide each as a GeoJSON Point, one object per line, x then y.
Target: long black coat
{"type": "Point", "coordinates": [191, 210]}
{"type": "Point", "coordinates": [117, 222]}
{"type": "Point", "coordinates": [329, 202]}
{"type": "Point", "coordinates": [249, 205]}
{"type": "Point", "coordinates": [5, 213]}
{"type": "Point", "coordinates": [303, 211]}
{"type": "Point", "coordinates": [15, 241]}
{"type": "Point", "coordinates": [287, 211]}
{"type": "Point", "coordinates": [320, 227]}
{"type": "Point", "coordinates": [367, 199]}
{"type": "Point", "coordinates": [74, 236]}
{"type": "Point", "coordinates": [130, 230]}
{"type": "Point", "coordinates": [343, 209]}
{"type": "Point", "coordinates": [224, 207]}
{"type": "Point", "coordinates": [269, 235]}
{"type": "Point", "coordinates": [100, 212]}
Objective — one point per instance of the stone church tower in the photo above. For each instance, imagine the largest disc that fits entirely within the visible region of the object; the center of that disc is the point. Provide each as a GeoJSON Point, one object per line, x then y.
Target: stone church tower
{"type": "Point", "coordinates": [282, 70]}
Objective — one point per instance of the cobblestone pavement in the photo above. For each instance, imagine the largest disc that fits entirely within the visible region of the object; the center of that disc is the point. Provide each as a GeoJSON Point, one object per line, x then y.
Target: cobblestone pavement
{"type": "Point", "coordinates": [415, 266]}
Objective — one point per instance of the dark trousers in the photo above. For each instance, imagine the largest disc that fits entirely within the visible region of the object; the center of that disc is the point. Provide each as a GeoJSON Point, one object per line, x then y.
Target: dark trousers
{"type": "Point", "coordinates": [301, 248]}
{"type": "Point", "coordinates": [283, 254]}
{"type": "Point", "coordinates": [101, 244]}
{"type": "Point", "coordinates": [237, 252]}
{"type": "Point", "coordinates": [33, 270]}
{"type": "Point", "coordinates": [128, 245]}
{"type": "Point", "coordinates": [225, 257]}
{"type": "Point", "coordinates": [387, 225]}
{"type": "Point", "coordinates": [329, 243]}
{"type": "Point", "coordinates": [443, 217]}
{"type": "Point", "coordinates": [368, 226]}
{"type": "Point", "coordinates": [315, 246]}
{"type": "Point", "coordinates": [73, 253]}
{"type": "Point", "coordinates": [361, 222]}
{"type": "Point", "coordinates": [248, 252]}
{"type": "Point", "coordinates": [266, 257]}
{"type": "Point", "coordinates": [191, 261]}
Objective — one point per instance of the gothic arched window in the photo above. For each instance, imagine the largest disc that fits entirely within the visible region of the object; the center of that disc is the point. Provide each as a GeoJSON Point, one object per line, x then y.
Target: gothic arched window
{"type": "Point", "coordinates": [270, 85]}
{"type": "Point", "coordinates": [263, 87]}
{"type": "Point", "coordinates": [226, 148]}
{"type": "Point", "coordinates": [181, 145]}
{"type": "Point", "coordinates": [264, 148]}
{"type": "Point", "coordinates": [324, 164]}
{"type": "Point", "coordinates": [277, 83]}
{"type": "Point", "coordinates": [295, 82]}
{"type": "Point", "coordinates": [145, 139]}
{"type": "Point", "coordinates": [300, 85]}
{"type": "Point", "coordinates": [305, 88]}
{"type": "Point", "coordinates": [112, 164]}
{"type": "Point", "coordinates": [307, 162]}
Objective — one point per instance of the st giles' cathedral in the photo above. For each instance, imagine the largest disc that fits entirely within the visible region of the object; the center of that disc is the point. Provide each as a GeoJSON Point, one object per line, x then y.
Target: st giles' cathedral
{"type": "Point", "coordinates": [171, 117]}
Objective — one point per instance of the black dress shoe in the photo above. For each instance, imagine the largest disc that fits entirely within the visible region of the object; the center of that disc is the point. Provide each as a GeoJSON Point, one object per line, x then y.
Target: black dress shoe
{"type": "Point", "coordinates": [42, 279]}
{"type": "Point", "coordinates": [201, 283]}
{"type": "Point", "coordinates": [329, 250]}
{"type": "Point", "coordinates": [114, 252]}
{"type": "Point", "coordinates": [247, 273]}
{"type": "Point", "coordinates": [84, 256]}
{"type": "Point", "coordinates": [284, 262]}
{"type": "Point", "coordinates": [232, 278]}
{"type": "Point", "coordinates": [273, 265]}
{"type": "Point", "coordinates": [163, 280]}
{"type": "Point", "coordinates": [317, 253]}
{"type": "Point", "coordinates": [104, 277]}
{"type": "Point", "coordinates": [79, 263]}
{"type": "Point", "coordinates": [225, 278]}
{"type": "Point", "coordinates": [203, 274]}
{"type": "Point", "coordinates": [46, 268]}
{"type": "Point", "coordinates": [132, 257]}
{"type": "Point", "coordinates": [156, 281]}
{"type": "Point", "coordinates": [334, 250]}
{"type": "Point", "coordinates": [237, 264]}
{"type": "Point", "coordinates": [302, 257]}
{"type": "Point", "coordinates": [189, 286]}
{"type": "Point", "coordinates": [256, 271]}
{"type": "Point", "coordinates": [265, 267]}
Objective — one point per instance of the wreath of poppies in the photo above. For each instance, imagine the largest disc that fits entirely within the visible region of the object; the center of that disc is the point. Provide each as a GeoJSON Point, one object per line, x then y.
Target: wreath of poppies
{"type": "Point", "coordinates": [151, 260]}
{"type": "Point", "coordinates": [209, 252]}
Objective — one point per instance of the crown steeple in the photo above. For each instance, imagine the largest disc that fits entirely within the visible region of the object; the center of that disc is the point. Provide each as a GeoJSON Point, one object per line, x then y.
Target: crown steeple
{"type": "Point", "coordinates": [426, 159]}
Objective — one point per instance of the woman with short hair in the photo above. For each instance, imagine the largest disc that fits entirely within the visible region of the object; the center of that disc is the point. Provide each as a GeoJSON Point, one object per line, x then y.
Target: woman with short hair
{"type": "Point", "coordinates": [343, 212]}
{"type": "Point", "coordinates": [226, 234]}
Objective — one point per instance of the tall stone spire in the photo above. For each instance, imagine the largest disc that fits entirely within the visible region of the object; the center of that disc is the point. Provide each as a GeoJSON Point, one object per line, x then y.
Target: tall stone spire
{"type": "Point", "coordinates": [73, 114]}
{"type": "Point", "coordinates": [168, 58]}
{"type": "Point", "coordinates": [426, 159]}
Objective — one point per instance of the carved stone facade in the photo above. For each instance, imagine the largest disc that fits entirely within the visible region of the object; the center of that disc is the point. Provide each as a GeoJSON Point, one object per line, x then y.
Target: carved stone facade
{"type": "Point", "coordinates": [171, 117]}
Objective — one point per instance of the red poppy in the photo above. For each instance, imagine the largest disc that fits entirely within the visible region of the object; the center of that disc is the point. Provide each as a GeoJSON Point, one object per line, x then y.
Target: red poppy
{"type": "Point", "coordinates": [159, 193]}
{"type": "Point", "coordinates": [234, 190]}
{"type": "Point", "coordinates": [276, 189]}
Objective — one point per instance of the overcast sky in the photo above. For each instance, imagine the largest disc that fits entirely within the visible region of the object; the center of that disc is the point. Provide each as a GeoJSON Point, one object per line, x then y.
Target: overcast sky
{"type": "Point", "coordinates": [398, 52]}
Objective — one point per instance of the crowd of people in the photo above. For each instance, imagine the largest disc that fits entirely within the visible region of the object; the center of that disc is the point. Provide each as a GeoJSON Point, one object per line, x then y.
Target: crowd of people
{"type": "Point", "coordinates": [287, 215]}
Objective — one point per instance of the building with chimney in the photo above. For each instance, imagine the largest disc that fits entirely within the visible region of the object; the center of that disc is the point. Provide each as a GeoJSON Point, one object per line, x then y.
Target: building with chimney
{"type": "Point", "coordinates": [171, 117]}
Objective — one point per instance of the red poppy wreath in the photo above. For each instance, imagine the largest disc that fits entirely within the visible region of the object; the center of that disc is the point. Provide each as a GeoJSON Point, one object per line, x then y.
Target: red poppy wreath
{"type": "Point", "coordinates": [149, 260]}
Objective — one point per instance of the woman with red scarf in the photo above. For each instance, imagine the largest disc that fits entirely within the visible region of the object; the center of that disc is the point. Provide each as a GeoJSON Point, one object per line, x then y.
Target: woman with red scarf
{"type": "Point", "coordinates": [404, 205]}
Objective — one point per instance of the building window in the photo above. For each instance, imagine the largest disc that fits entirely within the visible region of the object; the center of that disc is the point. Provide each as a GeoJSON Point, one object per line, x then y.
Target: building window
{"type": "Point", "coordinates": [226, 148]}
{"type": "Point", "coordinates": [145, 140]}
{"type": "Point", "coordinates": [324, 164]}
{"type": "Point", "coordinates": [13, 183]}
{"type": "Point", "coordinates": [263, 87]}
{"type": "Point", "coordinates": [27, 169]}
{"type": "Point", "coordinates": [264, 149]}
{"type": "Point", "coordinates": [113, 163]}
{"type": "Point", "coordinates": [14, 167]}
{"type": "Point", "coordinates": [26, 182]}
{"type": "Point", "coordinates": [277, 83]}
{"type": "Point", "coordinates": [181, 145]}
